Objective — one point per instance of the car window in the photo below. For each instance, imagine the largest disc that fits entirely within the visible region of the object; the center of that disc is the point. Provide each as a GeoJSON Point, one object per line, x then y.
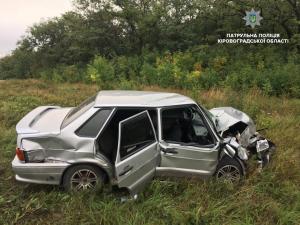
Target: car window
{"type": "Point", "coordinates": [185, 125]}
{"type": "Point", "coordinates": [93, 125]}
{"type": "Point", "coordinates": [136, 134]}
{"type": "Point", "coordinates": [108, 138]}
{"type": "Point", "coordinates": [78, 111]}
{"type": "Point", "coordinates": [212, 119]}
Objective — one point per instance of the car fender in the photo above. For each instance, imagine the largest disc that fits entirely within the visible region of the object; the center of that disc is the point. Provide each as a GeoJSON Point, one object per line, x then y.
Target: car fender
{"type": "Point", "coordinates": [101, 164]}
{"type": "Point", "coordinates": [224, 152]}
{"type": "Point", "coordinates": [227, 150]}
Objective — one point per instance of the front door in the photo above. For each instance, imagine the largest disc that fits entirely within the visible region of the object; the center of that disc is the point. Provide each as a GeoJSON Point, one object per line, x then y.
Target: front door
{"type": "Point", "coordinates": [188, 145]}
{"type": "Point", "coordinates": [138, 153]}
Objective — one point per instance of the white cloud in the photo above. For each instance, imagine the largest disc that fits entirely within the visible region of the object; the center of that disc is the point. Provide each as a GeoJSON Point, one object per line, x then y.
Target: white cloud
{"type": "Point", "coordinates": [17, 15]}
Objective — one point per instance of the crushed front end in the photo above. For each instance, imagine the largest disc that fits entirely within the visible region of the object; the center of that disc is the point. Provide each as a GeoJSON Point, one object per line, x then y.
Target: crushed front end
{"type": "Point", "coordinates": [239, 131]}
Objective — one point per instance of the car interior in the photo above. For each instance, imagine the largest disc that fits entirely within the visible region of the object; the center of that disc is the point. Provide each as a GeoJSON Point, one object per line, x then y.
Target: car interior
{"type": "Point", "coordinates": [180, 125]}
{"type": "Point", "coordinates": [185, 125]}
{"type": "Point", "coordinates": [107, 141]}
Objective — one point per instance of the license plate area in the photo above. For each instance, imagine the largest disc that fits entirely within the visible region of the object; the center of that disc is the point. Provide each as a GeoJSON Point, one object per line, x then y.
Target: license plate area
{"type": "Point", "coordinates": [262, 145]}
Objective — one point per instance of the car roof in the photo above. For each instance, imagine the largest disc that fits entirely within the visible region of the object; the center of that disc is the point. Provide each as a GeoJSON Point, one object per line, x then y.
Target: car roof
{"type": "Point", "coordinates": [140, 99]}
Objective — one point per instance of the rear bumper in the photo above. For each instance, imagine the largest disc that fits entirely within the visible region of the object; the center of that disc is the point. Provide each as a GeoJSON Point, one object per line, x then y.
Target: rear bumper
{"type": "Point", "coordinates": [39, 173]}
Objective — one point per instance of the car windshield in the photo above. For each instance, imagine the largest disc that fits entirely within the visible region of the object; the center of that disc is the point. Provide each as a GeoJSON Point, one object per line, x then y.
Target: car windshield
{"type": "Point", "coordinates": [78, 111]}
{"type": "Point", "coordinates": [212, 119]}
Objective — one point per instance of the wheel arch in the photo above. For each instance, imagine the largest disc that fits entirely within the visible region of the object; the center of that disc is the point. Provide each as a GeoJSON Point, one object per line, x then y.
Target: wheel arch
{"type": "Point", "coordinates": [105, 171]}
{"type": "Point", "coordinates": [242, 164]}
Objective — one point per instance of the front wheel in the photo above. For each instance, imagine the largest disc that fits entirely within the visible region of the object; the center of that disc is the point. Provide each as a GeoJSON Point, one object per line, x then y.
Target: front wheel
{"type": "Point", "coordinates": [83, 177]}
{"type": "Point", "coordinates": [229, 170]}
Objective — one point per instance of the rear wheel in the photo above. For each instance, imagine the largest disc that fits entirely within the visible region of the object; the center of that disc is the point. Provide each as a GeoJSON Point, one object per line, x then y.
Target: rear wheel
{"type": "Point", "coordinates": [83, 177]}
{"type": "Point", "coordinates": [229, 170]}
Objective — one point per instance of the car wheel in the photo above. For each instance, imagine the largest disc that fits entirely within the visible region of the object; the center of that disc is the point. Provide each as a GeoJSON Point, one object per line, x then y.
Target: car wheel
{"type": "Point", "coordinates": [83, 177]}
{"type": "Point", "coordinates": [229, 170]}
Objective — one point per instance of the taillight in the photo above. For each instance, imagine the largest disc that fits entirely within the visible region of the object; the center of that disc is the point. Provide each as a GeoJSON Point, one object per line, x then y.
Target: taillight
{"type": "Point", "coordinates": [20, 154]}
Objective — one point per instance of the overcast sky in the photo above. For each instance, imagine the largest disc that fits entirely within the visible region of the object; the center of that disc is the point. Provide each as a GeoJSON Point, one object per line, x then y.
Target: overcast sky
{"type": "Point", "coordinates": [17, 15]}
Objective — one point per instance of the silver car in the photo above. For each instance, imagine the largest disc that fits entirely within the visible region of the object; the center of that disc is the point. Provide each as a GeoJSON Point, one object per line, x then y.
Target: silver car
{"type": "Point", "coordinates": [125, 138]}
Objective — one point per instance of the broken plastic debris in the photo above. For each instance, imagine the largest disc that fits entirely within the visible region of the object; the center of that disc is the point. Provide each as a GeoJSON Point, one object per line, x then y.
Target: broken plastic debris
{"type": "Point", "coordinates": [129, 198]}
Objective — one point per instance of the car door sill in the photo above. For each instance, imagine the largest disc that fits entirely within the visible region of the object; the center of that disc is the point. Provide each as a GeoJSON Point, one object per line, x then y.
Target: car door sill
{"type": "Point", "coordinates": [163, 170]}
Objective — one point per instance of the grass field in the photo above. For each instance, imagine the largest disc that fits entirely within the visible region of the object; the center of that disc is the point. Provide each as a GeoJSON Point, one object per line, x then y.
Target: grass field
{"type": "Point", "coordinates": [271, 197]}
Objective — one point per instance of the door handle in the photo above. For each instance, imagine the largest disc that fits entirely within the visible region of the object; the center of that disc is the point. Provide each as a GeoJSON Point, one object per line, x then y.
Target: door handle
{"type": "Point", "coordinates": [169, 151]}
{"type": "Point", "coordinates": [126, 170]}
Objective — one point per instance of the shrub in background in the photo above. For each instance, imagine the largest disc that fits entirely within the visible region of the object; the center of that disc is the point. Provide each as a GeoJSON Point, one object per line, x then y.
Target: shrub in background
{"type": "Point", "coordinates": [73, 73]}
{"type": "Point", "coordinates": [64, 73]}
{"type": "Point", "coordinates": [149, 74]}
{"type": "Point", "coordinates": [285, 79]}
{"type": "Point", "coordinates": [184, 60]}
{"type": "Point", "coordinates": [127, 67]}
{"type": "Point", "coordinates": [125, 84]}
{"type": "Point", "coordinates": [101, 71]}
{"type": "Point", "coordinates": [273, 71]}
{"type": "Point", "coordinates": [209, 79]}
{"type": "Point", "coordinates": [165, 71]}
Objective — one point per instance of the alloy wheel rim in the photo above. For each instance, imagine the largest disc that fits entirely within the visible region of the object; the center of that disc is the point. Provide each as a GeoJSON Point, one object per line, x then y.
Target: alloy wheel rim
{"type": "Point", "coordinates": [83, 179]}
{"type": "Point", "coordinates": [229, 173]}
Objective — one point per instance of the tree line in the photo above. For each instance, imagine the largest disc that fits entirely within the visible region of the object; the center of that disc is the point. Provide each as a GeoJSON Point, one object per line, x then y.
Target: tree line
{"type": "Point", "coordinates": [135, 29]}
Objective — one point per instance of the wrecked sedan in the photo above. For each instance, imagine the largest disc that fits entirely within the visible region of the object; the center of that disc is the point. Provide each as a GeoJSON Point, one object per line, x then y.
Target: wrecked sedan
{"type": "Point", "coordinates": [125, 138]}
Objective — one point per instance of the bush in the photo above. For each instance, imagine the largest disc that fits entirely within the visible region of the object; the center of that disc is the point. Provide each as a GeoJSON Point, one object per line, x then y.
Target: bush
{"type": "Point", "coordinates": [165, 71]}
{"type": "Point", "coordinates": [127, 67]}
{"type": "Point", "coordinates": [272, 70]}
{"type": "Point", "coordinates": [210, 79]}
{"type": "Point", "coordinates": [127, 85]}
{"type": "Point", "coordinates": [285, 79]}
{"type": "Point", "coordinates": [73, 73]}
{"type": "Point", "coordinates": [17, 65]}
{"type": "Point", "coordinates": [64, 73]}
{"type": "Point", "coordinates": [101, 71]}
{"type": "Point", "coordinates": [149, 74]}
{"type": "Point", "coordinates": [184, 61]}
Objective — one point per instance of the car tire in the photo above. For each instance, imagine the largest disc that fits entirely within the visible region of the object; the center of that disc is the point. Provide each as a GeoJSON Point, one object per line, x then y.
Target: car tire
{"type": "Point", "coordinates": [83, 177]}
{"type": "Point", "coordinates": [229, 170]}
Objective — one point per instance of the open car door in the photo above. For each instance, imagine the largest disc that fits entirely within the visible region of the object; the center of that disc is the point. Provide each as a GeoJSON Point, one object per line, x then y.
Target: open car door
{"type": "Point", "coordinates": [138, 154]}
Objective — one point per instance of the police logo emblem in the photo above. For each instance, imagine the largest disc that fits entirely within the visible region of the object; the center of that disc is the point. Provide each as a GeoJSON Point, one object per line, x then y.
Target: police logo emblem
{"type": "Point", "coordinates": [252, 18]}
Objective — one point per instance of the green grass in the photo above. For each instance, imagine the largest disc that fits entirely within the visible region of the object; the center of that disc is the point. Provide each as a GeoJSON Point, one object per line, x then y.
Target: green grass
{"type": "Point", "coordinates": [271, 197]}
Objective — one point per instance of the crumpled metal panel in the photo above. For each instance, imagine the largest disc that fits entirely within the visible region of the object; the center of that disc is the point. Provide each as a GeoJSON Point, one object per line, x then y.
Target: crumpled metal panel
{"type": "Point", "coordinates": [245, 137]}
{"type": "Point", "coordinates": [228, 116]}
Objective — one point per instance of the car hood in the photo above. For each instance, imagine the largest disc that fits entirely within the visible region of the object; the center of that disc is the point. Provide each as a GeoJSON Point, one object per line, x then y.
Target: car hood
{"type": "Point", "coordinates": [43, 119]}
{"type": "Point", "coordinates": [225, 117]}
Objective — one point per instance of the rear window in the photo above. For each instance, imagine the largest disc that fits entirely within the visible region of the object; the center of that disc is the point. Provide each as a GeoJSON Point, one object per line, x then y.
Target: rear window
{"type": "Point", "coordinates": [93, 125]}
{"type": "Point", "coordinates": [78, 111]}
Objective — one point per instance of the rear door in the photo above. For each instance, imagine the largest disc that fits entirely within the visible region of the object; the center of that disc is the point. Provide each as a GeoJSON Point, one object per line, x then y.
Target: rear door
{"type": "Point", "coordinates": [137, 154]}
